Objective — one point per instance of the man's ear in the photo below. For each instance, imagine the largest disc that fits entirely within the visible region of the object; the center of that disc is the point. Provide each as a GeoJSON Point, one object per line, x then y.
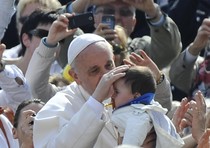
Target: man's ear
{"type": "Point", "coordinates": [26, 40]}
{"type": "Point", "coordinates": [14, 132]}
{"type": "Point", "coordinates": [74, 75]}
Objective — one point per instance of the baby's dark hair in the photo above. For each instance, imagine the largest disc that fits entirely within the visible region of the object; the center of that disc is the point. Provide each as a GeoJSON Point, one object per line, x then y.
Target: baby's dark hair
{"type": "Point", "coordinates": [21, 106]}
{"type": "Point", "coordinates": [140, 79]}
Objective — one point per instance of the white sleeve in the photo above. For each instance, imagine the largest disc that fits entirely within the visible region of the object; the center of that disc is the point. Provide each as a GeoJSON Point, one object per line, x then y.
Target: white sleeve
{"type": "Point", "coordinates": [189, 58]}
{"type": "Point", "coordinates": [3, 141]}
{"type": "Point", "coordinates": [97, 107]}
{"type": "Point", "coordinates": [57, 124]}
{"type": "Point", "coordinates": [137, 128]}
{"type": "Point", "coordinates": [7, 9]}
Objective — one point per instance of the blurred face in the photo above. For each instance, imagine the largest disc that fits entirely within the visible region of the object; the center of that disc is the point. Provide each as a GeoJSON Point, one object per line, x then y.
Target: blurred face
{"type": "Point", "coordinates": [37, 34]}
{"type": "Point", "coordinates": [19, 133]}
{"type": "Point", "coordinates": [124, 15]}
{"type": "Point", "coordinates": [122, 93]}
{"type": "Point", "coordinates": [25, 13]}
{"type": "Point", "coordinates": [91, 64]}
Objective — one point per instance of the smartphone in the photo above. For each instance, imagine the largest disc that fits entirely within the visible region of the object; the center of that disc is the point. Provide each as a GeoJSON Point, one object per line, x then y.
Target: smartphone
{"type": "Point", "coordinates": [81, 20]}
{"type": "Point", "coordinates": [109, 19]}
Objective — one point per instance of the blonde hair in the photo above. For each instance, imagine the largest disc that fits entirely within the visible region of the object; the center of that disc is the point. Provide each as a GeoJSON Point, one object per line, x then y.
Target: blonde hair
{"type": "Point", "coordinates": [122, 35]}
{"type": "Point", "coordinates": [46, 4]}
{"type": "Point", "coordinates": [123, 40]}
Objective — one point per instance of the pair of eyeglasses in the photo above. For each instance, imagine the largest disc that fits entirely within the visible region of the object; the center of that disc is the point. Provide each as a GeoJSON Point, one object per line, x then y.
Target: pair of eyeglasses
{"type": "Point", "coordinates": [126, 12]}
{"type": "Point", "coordinates": [39, 33]}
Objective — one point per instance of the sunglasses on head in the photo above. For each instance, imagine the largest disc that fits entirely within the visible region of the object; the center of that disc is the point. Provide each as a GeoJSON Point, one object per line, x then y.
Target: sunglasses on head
{"type": "Point", "coordinates": [110, 11]}
{"type": "Point", "coordinates": [39, 33]}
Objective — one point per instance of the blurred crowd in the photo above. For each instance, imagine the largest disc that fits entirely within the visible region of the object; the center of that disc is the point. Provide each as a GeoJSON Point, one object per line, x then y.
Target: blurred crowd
{"type": "Point", "coordinates": [104, 73]}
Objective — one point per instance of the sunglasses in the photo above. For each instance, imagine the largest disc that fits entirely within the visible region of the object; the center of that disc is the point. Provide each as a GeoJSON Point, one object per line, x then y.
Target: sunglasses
{"type": "Point", "coordinates": [126, 12]}
{"type": "Point", "coordinates": [39, 33]}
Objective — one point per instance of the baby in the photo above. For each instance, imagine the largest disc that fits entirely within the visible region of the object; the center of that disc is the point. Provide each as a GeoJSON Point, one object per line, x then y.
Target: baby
{"type": "Point", "coordinates": [136, 113]}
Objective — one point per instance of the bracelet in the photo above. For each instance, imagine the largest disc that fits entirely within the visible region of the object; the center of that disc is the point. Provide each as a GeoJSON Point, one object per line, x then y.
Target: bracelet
{"type": "Point", "coordinates": [160, 80]}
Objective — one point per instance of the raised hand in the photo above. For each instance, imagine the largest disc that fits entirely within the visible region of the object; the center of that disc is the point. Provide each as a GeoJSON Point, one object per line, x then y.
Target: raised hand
{"type": "Point", "coordinates": [204, 140]}
{"type": "Point", "coordinates": [104, 89]}
{"type": "Point", "coordinates": [201, 38]}
{"type": "Point", "coordinates": [178, 117]}
{"type": "Point", "coordinates": [199, 116]}
{"type": "Point", "coordinates": [100, 2]}
{"type": "Point", "coordinates": [147, 6]}
{"type": "Point", "coordinates": [2, 48]}
{"type": "Point", "coordinates": [142, 59]}
{"type": "Point", "coordinates": [59, 29]}
{"type": "Point", "coordinates": [104, 31]}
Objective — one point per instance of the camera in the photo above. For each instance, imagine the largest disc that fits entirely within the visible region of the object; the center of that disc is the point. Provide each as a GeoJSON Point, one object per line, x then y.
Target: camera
{"type": "Point", "coordinates": [81, 20]}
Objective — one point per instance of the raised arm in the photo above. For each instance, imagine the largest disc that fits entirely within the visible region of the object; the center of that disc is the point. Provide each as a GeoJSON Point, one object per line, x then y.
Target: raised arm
{"type": "Point", "coordinates": [37, 73]}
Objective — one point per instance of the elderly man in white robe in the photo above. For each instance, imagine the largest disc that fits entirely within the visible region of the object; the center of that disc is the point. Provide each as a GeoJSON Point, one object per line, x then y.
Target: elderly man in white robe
{"type": "Point", "coordinates": [76, 117]}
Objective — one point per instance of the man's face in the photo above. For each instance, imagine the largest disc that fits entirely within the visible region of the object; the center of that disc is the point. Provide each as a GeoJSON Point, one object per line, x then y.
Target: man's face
{"type": "Point", "coordinates": [124, 15]}
{"type": "Point", "coordinates": [19, 131]}
{"type": "Point", "coordinates": [92, 63]}
{"type": "Point", "coordinates": [37, 34]}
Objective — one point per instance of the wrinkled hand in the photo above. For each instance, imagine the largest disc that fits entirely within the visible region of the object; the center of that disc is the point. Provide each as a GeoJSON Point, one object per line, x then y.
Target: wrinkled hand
{"type": "Point", "coordinates": [142, 59]}
{"type": "Point", "coordinates": [201, 38]}
{"type": "Point", "coordinates": [100, 2]}
{"type": "Point", "coordinates": [104, 88]}
{"type": "Point", "coordinates": [104, 31]}
{"type": "Point", "coordinates": [199, 116]}
{"type": "Point", "coordinates": [178, 117]}
{"type": "Point", "coordinates": [147, 6]}
{"type": "Point", "coordinates": [204, 141]}
{"type": "Point", "coordinates": [59, 29]}
{"type": "Point", "coordinates": [26, 127]}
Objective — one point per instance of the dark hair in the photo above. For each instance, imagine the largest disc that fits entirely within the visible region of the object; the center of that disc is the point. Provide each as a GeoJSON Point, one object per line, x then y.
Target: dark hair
{"type": "Point", "coordinates": [140, 79]}
{"type": "Point", "coordinates": [21, 106]}
{"type": "Point", "coordinates": [38, 17]}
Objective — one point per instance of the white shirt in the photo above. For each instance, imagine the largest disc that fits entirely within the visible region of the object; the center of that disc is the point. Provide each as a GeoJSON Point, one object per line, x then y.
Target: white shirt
{"type": "Point", "coordinates": [134, 122]}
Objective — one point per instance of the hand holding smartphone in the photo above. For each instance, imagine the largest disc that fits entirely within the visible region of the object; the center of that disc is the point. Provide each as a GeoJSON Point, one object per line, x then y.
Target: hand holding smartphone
{"type": "Point", "coordinates": [110, 20]}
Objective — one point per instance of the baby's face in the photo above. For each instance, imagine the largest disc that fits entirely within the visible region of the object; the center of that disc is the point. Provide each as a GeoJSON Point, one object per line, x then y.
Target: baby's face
{"type": "Point", "coordinates": [122, 93]}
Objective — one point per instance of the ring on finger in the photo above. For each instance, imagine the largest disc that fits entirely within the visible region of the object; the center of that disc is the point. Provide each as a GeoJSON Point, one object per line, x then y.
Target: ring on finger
{"type": "Point", "coordinates": [111, 75]}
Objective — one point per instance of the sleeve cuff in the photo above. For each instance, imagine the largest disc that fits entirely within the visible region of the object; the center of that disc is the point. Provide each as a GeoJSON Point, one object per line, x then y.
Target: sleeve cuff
{"type": "Point", "coordinates": [158, 23]}
{"type": "Point", "coordinates": [97, 107]}
{"type": "Point", "coordinates": [189, 58]}
{"type": "Point", "coordinates": [47, 45]}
